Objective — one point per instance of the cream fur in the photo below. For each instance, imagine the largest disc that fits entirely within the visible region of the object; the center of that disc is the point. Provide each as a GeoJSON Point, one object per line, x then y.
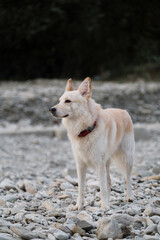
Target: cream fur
{"type": "Point", "coordinates": [111, 140]}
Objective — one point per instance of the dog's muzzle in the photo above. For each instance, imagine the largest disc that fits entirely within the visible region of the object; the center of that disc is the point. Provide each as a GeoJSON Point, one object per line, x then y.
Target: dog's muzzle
{"type": "Point", "coordinates": [53, 110]}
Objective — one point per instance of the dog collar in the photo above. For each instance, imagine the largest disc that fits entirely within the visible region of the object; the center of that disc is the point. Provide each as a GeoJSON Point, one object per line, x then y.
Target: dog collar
{"type": "Point", "coordinates": [87, 130]}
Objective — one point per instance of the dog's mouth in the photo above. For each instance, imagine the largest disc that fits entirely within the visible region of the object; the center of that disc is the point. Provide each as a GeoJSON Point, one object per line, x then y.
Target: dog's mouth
{"type": "Point", "coordinates": [54, 115]}
{"type": "Point", "coordinates": [53, 111]}
{"type": "Point", "coordinates": [65, 116]}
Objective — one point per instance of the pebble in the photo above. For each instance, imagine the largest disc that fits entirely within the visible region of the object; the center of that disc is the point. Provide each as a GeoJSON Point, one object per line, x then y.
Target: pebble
{"type": "Point", "coordinates": [152, 210]}
{"type": "Point", "coordinates": [48, 205]}
{"type": "Point", "coordinates": [37, 218]}
{"type": "Point", "coordinates": [30, 187]}
{"type": "Point", "coordinates": [51, 237]}
{"type": "Point", "coordinates": [158, 227]}
{"type": "Point", "coordinates": [66, 186]}
{"type": "Point", "coordinates": [5, 236]}
{"type": "Point", "coordinates": [60, 235]}
{"type": "Point", "coordinates": [24, 233]}
{"type": "Point", "coordinates": [151, 228]}
{"type": "Point", "coordinates": [108, 228]}
{"type": "Point", "coordinates": [156, 219]}
{"type": "Point", "coordinates": [7, 184]}
{"type": "Point", "coordinates": [86, 225]}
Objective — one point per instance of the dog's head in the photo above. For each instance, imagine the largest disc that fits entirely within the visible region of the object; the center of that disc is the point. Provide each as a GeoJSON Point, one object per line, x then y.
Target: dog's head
{"type": "Point", "coordinates": [73, 103]}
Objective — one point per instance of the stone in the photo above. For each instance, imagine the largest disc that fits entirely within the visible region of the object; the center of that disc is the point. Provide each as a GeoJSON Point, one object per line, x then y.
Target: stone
{"type": "Point", "coordinates": [149, 221]}
{"type": "Point", "coordinates": [93, 185]}
{"type": "Point", "coordinates": [48, 205]}
{"type": "Point", "coordinates": [83, 215]}
{"type": "Point", "coordinates": [24, 233]}
{"type": "Point", "coordinates": [66, 185]}
{"type": "Point", "coordinates": [60, 235]}
{"type": "Point", "coordinates": [86, 225]}
{"type": "Point", "coordinates": [152, 210]}
{"type": "Point", "coordinates": [37, 218]}
{"type": "Point", "coordinates": [10, 198]}
{"type": "Point", "coordinates": [51, 237]}
{"type": "Point", "coordinates": [30, 187]}
{"type": "Point", "coordinates": [7, 184]}
{"type": "Point", "coordinates": [123, 219]}
{"type": "Point", "coordinates": [2, 202]}
{"type": "Point", "coordinates": [77, 229]}
{"type": "Point", "coordinates": [151, 228]}
{"type": "Point", "coordinates": [65, 196]}
{"type": "Point", "coordinates": [5, 236]}
{"type": "Point", "coordinates": [151, 237]}
{"type": "Point", "coordinates": [138, 222]}
{"type": "Point", "coordinates": [108, 228]}
{"type": "Point", "coordinates": [77, 236]}
{"type": "Point", "coordinates": [73, 181]}
{"type": "Point", "coordinates": [158, 227]}
{"type": "Point", "coordinates": [4, 223]}
{"type": "Point", "coordinates": [156, 219]}
{"type": "Point", "coordinates": [20, 185]}
{"type": "Point", "coordinates": [19, 216]}
{"type": "Point", "coordinates": [6, 212]}
{"type": "Point", "coordinates": [62, 228]}
{"type": "Point", "coordinates": [17, 208]}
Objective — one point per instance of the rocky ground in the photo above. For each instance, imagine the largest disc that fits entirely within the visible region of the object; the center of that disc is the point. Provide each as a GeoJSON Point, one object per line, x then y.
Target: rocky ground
{"type": "Point", "coordinates": [38, 183]}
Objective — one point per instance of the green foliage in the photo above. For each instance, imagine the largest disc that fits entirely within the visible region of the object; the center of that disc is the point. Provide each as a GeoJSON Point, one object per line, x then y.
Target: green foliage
{"type": "Point", "coordinates": [63, 38]}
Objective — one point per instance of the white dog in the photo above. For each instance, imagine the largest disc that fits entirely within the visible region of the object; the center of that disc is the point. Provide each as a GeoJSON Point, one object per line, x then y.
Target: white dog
{"type": "Point", "coordinates": [98, 136]}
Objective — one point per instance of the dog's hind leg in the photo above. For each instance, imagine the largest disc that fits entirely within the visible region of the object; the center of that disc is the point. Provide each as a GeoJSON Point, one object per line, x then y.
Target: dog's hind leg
{"type": "Point", "coordinates": [123, 161]}
{"type": "Point", "coordinates": [108, 178]}
{"type": "Point", "coordinates": [129, 160]}
{"type": "Point", "coordinates": [81, 172]}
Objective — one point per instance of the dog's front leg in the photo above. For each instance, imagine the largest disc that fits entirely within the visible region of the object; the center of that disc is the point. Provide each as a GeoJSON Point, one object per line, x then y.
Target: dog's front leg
{"type": "Point", "coordinates": [81, 172]}
{"type": "Point", "coordinates": [102, 175]}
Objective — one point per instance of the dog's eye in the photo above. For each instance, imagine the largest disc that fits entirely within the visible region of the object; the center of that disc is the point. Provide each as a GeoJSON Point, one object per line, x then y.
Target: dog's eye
{"type": "Point", "coordinates": [67, 101]}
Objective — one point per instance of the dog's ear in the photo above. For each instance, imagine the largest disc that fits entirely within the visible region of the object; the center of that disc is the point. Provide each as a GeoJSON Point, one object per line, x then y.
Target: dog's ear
{"type": "Point", "coordinates": [69, 86]}
{"type": "Point", "coordinates": [85, 88]}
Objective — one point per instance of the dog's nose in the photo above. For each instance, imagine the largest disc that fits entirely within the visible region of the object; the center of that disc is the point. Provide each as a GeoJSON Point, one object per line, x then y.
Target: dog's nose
{"type": "Point", "coordinates": [52, 109]}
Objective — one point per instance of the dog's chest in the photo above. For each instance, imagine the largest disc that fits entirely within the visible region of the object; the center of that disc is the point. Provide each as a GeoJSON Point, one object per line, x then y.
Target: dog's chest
{"type": "Point", "coordinates": [90, 152]}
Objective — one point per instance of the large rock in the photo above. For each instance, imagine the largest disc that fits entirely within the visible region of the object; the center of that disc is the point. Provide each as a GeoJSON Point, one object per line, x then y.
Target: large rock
{"type": "Point", "coordinates": [108, 228]}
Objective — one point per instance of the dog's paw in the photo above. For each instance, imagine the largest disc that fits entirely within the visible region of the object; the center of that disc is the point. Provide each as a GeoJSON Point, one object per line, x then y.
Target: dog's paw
{"type": "Point", "coordinates": [76, 207]}
{"type": "Point", "coordinates": [129, 199]}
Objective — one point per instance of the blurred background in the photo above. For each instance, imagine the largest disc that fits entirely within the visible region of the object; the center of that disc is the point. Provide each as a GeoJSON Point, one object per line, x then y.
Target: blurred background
{"type": "Point", "coordinates": [69, 38]}
{"type": "Point", "coordinates": [43, 43]}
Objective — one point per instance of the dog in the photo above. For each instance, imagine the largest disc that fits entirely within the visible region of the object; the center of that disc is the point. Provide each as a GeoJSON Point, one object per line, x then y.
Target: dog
{"type": "Point", "coordinates": [98, 136]}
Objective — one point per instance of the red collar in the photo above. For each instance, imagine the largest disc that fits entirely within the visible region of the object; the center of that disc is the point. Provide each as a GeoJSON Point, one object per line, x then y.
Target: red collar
{"type": "Point", "coordinates": [87, 130]}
